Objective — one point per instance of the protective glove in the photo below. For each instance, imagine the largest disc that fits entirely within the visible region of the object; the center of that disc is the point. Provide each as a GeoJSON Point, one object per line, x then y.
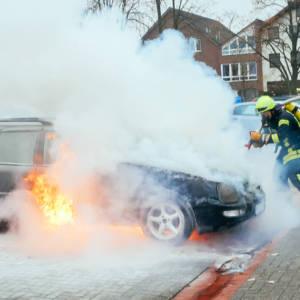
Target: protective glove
{"type": "Point", "coordinates": [257, 145]}
{"type": "Point", "coordinates": [258, 139]}
{"type": "Point", "coordinates": [255, 137]}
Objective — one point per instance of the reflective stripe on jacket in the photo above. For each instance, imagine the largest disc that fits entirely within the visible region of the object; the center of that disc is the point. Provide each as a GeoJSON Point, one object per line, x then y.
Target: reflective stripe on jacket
{"type": "Point", "coordinates": [287, 136]}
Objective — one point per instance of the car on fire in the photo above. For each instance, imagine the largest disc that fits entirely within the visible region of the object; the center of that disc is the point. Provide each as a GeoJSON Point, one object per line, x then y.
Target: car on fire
{"type": "Point", "coordinates": [168, 205]}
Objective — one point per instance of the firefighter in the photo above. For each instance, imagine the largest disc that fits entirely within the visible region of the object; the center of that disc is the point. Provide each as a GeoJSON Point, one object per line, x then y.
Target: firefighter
{"type": "Point", "coordinates": [285, 132]}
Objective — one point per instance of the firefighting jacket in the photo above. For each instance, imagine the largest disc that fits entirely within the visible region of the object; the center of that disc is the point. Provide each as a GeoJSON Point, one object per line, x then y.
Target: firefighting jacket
{"type": "Point", "coordinates": [287, 134]}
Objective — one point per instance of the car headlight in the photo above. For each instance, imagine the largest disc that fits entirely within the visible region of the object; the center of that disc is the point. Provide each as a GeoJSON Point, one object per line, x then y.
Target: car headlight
{"type": "Point", "coordinates": [227, 194]}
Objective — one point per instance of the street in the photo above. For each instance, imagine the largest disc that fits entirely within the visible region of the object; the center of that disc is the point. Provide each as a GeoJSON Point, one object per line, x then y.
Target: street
{"type": "Point", "coordinates": [142, 271]}
{"type": "Point", "coordinates": [177, 117]}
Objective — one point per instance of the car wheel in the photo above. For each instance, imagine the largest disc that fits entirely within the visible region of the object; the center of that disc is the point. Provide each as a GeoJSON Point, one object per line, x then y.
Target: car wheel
{"type": "Point", "coordinates": [168, 221]}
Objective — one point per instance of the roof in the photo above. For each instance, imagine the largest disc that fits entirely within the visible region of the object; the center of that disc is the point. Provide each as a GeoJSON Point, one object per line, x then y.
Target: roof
{"type": "Point", "coordinates": [256, 22]}
{"type": "Point", "coordinates": [197, 22]}
{"type": "Point", "coordinates": [14, 121]}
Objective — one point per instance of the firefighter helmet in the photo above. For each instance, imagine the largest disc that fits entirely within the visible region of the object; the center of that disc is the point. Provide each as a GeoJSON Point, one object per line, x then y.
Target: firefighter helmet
{"type": "Point", "coordinates": [264, 103]}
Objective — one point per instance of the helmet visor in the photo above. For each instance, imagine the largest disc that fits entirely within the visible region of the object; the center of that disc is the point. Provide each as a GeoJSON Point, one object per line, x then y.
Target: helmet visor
{"type": "Point", "coordinates": [261, 109]}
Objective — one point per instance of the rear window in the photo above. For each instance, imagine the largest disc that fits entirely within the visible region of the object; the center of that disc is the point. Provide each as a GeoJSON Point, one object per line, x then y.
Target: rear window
{"type": "Point", "coordinates": [245, 110]}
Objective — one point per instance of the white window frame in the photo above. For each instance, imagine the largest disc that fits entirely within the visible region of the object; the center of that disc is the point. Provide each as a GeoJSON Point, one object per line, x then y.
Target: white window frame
{"type": "Point", "coordinates": [239, 76]}
{"type": "Point", "coordinates": [196, 43]}
{"type": "Point", "coordinates": [226, 50]}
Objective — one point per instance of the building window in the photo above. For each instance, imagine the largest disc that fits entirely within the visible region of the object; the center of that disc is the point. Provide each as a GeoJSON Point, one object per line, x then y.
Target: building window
{"type": "Point", "coordinates": [233, 46]}
{"type": "Point", "coordinates": [235, 72]}
{"type": "Point", "coordinates": [252, 71]}
{"type": "Point", "coordinates": [295, 28]}
{"type": "Point", "coordinates": [298, 11]}
{"type": "Point", "coordinates": [195, 44]}
{"type": "Point", "coordinates": [198, 47]}
{"type": "Point", "coordinates": [244, 71]}
{"type": "Point", "coordinates": [225, 50]}
{"type": "Point", "coordinates": [226, 72]}
{"type": "Point", "coordinates": [274, 60]}
{"type": "Point", "coordinates": [298, 58]}
{"type": "Point", "coordinates": [273, 33]}
{"type": "Point", "coordinates": [239, 71]}
{"type": "Point", "coordinates": [240, 45]}
{"type": "Point", "coordinates": [251, 42]}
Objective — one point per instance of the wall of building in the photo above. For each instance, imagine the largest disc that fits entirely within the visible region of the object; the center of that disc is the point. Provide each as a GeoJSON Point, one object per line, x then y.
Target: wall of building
{"type": "Point", "coordinates": [251, 88]}
{"type": "Point", "coordinates": [273, 75]}
{"type": "Point", "coordinates": [210, 51]}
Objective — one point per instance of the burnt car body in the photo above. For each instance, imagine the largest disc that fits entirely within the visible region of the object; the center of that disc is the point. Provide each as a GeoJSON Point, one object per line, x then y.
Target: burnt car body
{"type": "Point", "coordinates": [168, 205]}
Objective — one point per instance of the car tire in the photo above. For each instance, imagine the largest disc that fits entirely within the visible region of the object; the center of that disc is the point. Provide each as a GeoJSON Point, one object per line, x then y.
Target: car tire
{"type": "Point", "coordinates": [169, 222]}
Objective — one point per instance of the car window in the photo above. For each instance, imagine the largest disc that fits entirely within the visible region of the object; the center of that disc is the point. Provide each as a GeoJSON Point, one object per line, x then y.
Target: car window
{"type": "Point", "coordinates": [17, 147]}
{"type": "Point", "coordinates": [245, 110]}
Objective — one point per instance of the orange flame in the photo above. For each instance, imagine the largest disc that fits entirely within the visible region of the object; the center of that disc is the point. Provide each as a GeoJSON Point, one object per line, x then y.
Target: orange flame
{"type": "Point", "coordinates": [55, 206]}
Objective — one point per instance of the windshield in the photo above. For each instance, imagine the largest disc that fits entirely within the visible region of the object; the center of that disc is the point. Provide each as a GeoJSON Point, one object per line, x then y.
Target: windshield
{"type": "Point", "coordinates": [245, 110]}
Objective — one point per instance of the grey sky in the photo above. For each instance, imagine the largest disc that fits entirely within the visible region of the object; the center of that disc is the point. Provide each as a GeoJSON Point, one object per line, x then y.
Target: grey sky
{"type": "Point", "coordinates": [244, 10]}
{"type": "Point", "coordinates": [243, 7]}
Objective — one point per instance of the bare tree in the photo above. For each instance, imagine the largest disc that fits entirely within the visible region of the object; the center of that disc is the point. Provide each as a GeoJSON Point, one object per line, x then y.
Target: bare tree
{"type": "Point", "coordinates": [132, 9]}
{"type": "Point", "coordinates": [264, 4]}
{"type": "Point", "coordinates": [159, 20]}
{"type": "Point", "coordinates": [232, 20]}
{"type": "Point", "coordinates": [179, 7]}
{"type": "Point", "coordinates": [281, 40]}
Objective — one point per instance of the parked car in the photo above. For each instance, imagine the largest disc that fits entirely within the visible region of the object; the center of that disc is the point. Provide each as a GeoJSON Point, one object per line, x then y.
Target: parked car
{"type": "Point", "coordinates": [279, 98]}
{"type": "Point", "coordinates": [168, 205]}
{"type": "Point", "coordinates": [283, 97]}
{"type": "Point", "coordinates": [245, 116]}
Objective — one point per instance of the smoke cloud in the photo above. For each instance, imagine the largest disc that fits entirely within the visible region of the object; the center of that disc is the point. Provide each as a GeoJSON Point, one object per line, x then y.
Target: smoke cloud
{"type": "Point", "coordinates": [115, 99]}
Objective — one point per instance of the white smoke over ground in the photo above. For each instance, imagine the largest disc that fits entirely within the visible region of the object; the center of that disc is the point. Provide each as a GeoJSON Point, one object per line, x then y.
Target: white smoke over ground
{"type": "Point", "coordinates": [114, 99]}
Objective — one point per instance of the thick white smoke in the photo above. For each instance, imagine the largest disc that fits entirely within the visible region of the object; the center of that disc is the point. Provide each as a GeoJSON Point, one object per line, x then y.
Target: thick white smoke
{"type": "Point", "coordinates": [108, 91]}
{"type": "Point", "coordinates": [117, 100]}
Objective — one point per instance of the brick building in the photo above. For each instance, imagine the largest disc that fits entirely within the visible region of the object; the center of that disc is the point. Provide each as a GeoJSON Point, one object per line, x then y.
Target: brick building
{"type": "Point", "coordinates": [231, 55]}
{"type": "Point", "coordinates": [208, 35]}
{"type": "Point", "coordinates": [240, 64]}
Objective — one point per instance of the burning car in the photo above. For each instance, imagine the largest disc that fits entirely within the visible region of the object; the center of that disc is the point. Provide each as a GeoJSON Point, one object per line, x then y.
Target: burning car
{"type": "Point", "coordinates": [168, 205]}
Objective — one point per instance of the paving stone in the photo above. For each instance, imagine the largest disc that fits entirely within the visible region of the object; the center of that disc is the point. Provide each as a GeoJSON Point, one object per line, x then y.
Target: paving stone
{"type": "Point", "coordinates": [282, 269]}
{"type": "Point", "coordinates": [24, 277]}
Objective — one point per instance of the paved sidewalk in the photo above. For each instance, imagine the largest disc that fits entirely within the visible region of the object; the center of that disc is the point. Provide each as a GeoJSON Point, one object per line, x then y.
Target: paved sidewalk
{"type": "Point", "coordinates": [144, 274]}
{"type": "Point", "coordinates": [278, 276]}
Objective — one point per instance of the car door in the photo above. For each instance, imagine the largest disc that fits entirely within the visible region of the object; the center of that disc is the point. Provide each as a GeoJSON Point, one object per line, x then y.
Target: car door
{"type": "Point", "coordinates": [18, 148]}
